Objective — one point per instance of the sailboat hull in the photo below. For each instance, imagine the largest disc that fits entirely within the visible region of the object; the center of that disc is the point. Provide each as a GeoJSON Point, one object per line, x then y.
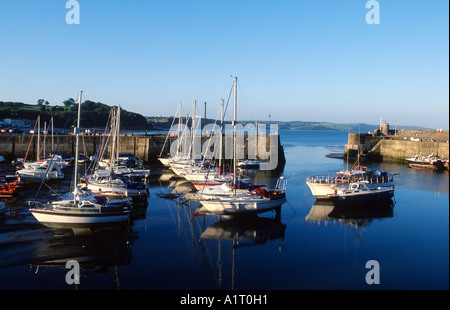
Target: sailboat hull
{"type": "Point", "coordinates": [200, 177]}
{"type": "Point", "coordinates": [56, 219]}
{"type": "Point", "coordinates": [239, 206]}
{"type": "Point", "coordinates": [164, 161]}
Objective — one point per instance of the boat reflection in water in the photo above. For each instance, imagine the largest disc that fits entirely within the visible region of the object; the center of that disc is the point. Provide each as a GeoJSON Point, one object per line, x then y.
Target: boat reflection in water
{"type": "Point", "coordinates": [245, 231]}
{"type": "Point", "coordinates": [242, 231]}
{"type": "Point", "coordinates": [353, 215]}
{"type": "Point", "coordinates": [96, 254]}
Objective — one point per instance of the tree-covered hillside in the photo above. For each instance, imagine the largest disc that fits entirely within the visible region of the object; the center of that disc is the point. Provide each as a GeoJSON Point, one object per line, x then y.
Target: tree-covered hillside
{"type": "Point", "coordinates": [93, 114]}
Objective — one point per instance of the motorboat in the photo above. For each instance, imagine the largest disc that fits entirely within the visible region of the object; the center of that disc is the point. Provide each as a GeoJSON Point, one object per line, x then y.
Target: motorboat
{"type": "Point", "coordinates": [425, 162]}
{"type": "Point", "coordinates": [358, 192]}
{"type": "Point", "coordinates": [10, 188]}
{"type": "Point", "coordinates": [323, 186]}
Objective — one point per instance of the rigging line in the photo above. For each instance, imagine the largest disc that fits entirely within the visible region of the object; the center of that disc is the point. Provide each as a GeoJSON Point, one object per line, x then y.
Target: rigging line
{"type": "Point", "coordinates": [209, 142]}
{"type": "Point", "coordinates": [181, 152]}
{"type": "Point", "coordinates": [162, 149]}
{"type": "Point", "coordinates": [52, 190]}
{"type": "Point", "coordinates": [228, 101]}
{"type": "Point", "coordinates": [29, 144]}
{"type": "Point", "coordinates": [245, 105]}
{"type": "Point", "coordinates": [99, 152]}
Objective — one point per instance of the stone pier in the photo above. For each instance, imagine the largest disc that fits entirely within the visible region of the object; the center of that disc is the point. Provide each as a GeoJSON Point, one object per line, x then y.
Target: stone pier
{"type": "Point", "coordinates": [399, 145]}
{"type": "Point", "coordinates": [146, 147]}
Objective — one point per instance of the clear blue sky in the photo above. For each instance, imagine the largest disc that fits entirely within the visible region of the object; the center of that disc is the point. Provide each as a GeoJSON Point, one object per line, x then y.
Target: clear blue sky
{"type": "Point", "coordinates": [310, 60]}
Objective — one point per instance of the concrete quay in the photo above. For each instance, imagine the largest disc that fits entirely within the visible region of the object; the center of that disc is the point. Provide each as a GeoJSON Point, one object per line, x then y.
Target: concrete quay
{"type": "Point", "coordinates": [398, 145]}
{"type": "Point", "coordinates": [146, 147]}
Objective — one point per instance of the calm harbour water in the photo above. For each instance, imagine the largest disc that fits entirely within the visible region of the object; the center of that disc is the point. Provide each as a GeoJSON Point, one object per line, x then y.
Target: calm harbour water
{"type": "Point", "coordinates": [311, 246]}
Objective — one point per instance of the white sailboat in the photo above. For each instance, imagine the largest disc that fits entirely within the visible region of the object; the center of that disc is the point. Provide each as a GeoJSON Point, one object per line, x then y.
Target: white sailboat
{"type": "Point", "coordinates": [36, 171]}
{"type": "Point", "coordinates": [82, 209]}
{"type": "Point", "coordinates": [47, 170]}
{"type": "Point", "coordinates": [257, 201]}
{"type": "Point", "coordinates": [211, 192]}
{"type": "Point", "coordinates": [103, 181]}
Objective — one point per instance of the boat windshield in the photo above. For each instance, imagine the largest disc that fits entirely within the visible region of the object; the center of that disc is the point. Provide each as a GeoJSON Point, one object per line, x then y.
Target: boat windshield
{"type": "Point", "coordinates": [342, 177]}
{"type": "Point", "coordinates": [361, 169]}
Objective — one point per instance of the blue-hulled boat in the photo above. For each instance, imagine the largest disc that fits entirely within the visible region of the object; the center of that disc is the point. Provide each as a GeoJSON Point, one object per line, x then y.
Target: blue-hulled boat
{"type": "Point", "coordinates": [358, 192]}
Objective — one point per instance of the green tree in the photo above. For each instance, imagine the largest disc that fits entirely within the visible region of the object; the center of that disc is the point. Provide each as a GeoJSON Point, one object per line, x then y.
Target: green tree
{"type": "Point", "coordinates": [69, 102]}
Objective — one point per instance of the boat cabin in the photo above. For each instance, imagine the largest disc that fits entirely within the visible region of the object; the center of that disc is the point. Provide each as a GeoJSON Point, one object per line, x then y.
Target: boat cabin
{"type": "Point", "coordinates": [361, 169]}
{"type": "Point", "coordinates": [342, 176]}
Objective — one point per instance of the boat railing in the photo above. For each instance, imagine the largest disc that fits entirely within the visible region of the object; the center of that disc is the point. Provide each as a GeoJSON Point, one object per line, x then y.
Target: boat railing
{"type": "Point", "coordinates": [331, 179]}
{"type": "Point", "coordinates": [35, 205]}
{"type": "Point", "coordinates": [321, 179]}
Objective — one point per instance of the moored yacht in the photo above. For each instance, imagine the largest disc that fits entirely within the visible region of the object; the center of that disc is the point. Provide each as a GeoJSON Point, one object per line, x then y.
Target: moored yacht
{"type": "Point", "coordinates": [45, 170]}
{"type": "Point", "coordinates": [105, 181]}
{"type": "Point", "coordinates": [256, 201]}
{"type": "Point", "coordinates": [86, 210]}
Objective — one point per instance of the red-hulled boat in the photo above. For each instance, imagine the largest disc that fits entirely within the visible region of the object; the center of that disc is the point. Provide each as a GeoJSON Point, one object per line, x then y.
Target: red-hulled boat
{"type": "Point", "coordinates": [10, 189]}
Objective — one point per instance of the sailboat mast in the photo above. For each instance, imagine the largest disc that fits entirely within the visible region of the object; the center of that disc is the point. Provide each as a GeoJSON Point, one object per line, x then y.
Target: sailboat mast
{"type": "Point", "coordinates": [77, 148]}
{"type": "Point", "coordinates": [179, 138]}
{"type": "Point", "coordinates": [234, 134]}
{"type": "Point", "coordinates": [118, 134]}
{"type": "Point", "coordinates": [204, 125]}
{"type": "Point", "coordinates": [45, 138]}
{"type": "Point", "coordinates": [52, 136]}
{"type": "Point", "coordinates": [38, 139]}
{"type": "Point", "coordinates": [221, 138]}
{"type": "Point", "coordinates": [192, 131]}
{"type": "Point", "coordinates": [113, 147]}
